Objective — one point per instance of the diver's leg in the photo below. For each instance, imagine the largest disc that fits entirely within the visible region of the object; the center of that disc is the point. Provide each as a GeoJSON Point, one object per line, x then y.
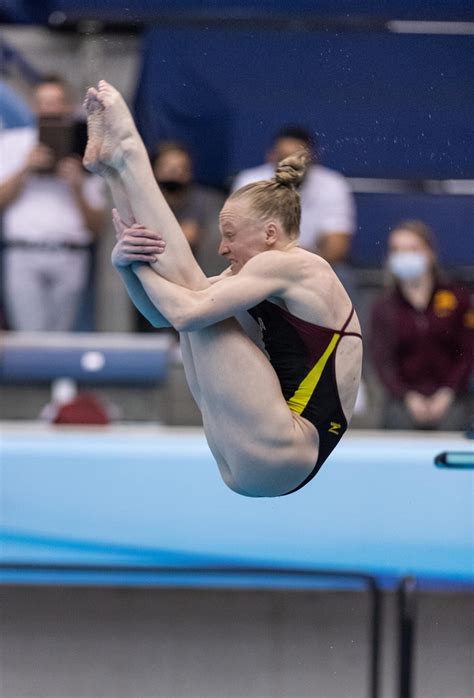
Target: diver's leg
{"type": "Point", "coordinates": [268, 449]}
{"type": "Point", "coordinates": [95, 138]}
{"type": "Point", "coordinates": [122, 149]}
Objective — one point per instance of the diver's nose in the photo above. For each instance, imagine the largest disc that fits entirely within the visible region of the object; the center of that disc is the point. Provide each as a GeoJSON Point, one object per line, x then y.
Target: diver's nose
{"type": "Point", "coordinates": [223, 249]}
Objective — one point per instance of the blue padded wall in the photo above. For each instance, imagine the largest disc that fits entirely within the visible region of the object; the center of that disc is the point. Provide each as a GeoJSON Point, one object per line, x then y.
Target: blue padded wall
{"type": "Point", "coordinates": [382, 105]}
{"type": "Point", "coordinates": [94, 364]}
{"type": "Point", "coordinates": [450, 217]}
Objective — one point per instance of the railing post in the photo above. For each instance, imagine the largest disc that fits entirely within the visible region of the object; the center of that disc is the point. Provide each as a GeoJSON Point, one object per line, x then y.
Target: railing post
{"type": "Point", "coordinates": [375, 636]}
{"type": "Point", "coordinates": [406, 604]}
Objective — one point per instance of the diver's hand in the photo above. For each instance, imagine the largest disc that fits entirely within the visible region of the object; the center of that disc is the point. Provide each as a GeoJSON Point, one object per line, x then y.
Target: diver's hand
{"type": "Point", "coordinates": [135, 244]}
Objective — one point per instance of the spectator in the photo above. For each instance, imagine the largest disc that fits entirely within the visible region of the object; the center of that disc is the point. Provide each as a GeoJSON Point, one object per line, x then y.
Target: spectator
{"type": "Point", "coordinates": [327, 205]}
{"type": "Point", "coordinates": [196, 207]}
{"type": "Point", "coordinates": [421, 339]}
{"type": "Point", "coordinates": [52, 212]}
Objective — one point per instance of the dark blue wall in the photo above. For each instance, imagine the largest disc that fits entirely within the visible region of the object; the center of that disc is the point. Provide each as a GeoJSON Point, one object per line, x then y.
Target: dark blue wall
{"type": "Point", "coordinates": [382, 105]}
{"type": "Point", "coordinates": [35, 11]}
{"type": "Point", "coordinates": [450, 217]}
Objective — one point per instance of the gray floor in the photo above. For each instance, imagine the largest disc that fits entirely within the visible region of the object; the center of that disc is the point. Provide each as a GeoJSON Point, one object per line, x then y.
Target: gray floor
{"type": "Point", "coordinates": [146, 643]}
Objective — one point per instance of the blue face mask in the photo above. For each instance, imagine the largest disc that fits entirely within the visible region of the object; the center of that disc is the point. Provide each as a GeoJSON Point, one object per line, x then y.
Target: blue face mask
{"type": "Point", "coordinates": [407, 266]}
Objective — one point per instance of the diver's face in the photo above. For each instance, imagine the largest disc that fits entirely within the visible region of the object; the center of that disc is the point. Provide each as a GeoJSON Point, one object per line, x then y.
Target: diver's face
{"type": "Point", "coordinates": [242, 234]}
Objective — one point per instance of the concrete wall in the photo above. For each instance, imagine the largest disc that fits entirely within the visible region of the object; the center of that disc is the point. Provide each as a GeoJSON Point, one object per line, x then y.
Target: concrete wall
{"type": "Point", "coordinates": [152, 643]}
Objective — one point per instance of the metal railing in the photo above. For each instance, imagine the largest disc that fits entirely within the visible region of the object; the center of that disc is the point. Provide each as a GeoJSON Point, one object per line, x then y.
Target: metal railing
{"type": "Point", "coordinates": [406, 608]}
{"type": "Point", "coordinates": [369, 581]}
{"type": "Point", "coordinates": [407, 592]}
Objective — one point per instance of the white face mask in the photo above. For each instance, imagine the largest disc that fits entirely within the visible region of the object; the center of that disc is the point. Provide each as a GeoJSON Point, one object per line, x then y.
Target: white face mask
{"type": "Point", "coordinates": [407, 266]}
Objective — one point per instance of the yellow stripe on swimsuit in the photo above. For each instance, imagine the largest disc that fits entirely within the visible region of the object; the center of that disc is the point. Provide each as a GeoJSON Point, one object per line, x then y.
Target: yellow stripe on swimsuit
{"type": "Point", "coordinates": [293, 345]}
{"type": "Point", "coordinates": [300, 399]}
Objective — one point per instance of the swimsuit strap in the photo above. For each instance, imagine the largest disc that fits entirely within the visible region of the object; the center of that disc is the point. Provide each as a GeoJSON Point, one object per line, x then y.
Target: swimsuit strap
{"type": "Point", "coordinates": [349, 334]}
{"type": "Point", "coordinates": [348, 319]}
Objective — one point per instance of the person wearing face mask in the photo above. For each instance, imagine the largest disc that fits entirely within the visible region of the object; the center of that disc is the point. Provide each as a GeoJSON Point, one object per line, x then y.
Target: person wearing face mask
{"type": "Point", "coordinates": [421, 337]}
{"type": "Point", "coordinates": [196, 207]}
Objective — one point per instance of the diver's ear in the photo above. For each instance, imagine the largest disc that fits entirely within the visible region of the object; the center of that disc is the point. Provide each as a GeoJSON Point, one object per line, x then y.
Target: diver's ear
{"type": "Point", "coordinates": [271, 233]}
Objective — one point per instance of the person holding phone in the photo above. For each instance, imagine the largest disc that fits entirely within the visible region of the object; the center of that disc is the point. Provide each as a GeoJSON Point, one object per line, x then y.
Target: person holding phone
{"type": "Point", "coordinates": [52, 212]}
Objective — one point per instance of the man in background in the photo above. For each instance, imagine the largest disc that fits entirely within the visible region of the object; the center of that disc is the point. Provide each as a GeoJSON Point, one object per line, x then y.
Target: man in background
{"type": "Point", "coordinates": [196, 207]}
{"type": "Point", "coordinates": [327, 205]}
{"type": "Point", "coordinates": [52, 212]}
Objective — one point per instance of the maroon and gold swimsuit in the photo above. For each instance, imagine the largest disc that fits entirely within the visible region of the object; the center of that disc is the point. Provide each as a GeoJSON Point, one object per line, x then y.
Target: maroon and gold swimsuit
{"type": "Point", "coordinates": [303, 356]}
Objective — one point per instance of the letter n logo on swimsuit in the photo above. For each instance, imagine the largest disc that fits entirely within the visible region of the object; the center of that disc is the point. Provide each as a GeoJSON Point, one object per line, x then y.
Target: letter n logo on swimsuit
{"type": "Point", "coordinates": [334, 428]}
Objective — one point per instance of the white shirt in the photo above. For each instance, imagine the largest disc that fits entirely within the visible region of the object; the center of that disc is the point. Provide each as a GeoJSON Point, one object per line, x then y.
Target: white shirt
{"type": "Point", "coordinates": [45, 210]}
{"type": "Point", "coordinates": [327, 204]}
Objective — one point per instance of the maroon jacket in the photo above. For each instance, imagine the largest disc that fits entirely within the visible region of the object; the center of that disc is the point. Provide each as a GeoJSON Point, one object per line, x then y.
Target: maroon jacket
{"type": "Point", "coordinates": [423, 350]}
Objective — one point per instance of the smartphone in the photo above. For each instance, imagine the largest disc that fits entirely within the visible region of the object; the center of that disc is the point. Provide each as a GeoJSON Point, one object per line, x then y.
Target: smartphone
{"type": "Point", "coordinates": [64, 137]}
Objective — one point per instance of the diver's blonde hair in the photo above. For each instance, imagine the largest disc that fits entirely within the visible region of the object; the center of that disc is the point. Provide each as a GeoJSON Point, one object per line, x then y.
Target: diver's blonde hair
{"type": "Point", "coordinates": [278, 197]}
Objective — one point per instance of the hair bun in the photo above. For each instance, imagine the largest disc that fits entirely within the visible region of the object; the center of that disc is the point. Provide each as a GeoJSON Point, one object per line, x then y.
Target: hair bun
{"type": "Point", "coordinates": [290, 171]}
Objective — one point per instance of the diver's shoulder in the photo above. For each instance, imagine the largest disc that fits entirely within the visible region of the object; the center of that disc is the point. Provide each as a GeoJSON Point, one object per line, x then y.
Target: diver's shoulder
{"type": "Point", "coordinates": [299, 264]}
{"type": "Point", "coordinates": [293, 262]}
{"type": "Point", "coordinates": [309, 259]}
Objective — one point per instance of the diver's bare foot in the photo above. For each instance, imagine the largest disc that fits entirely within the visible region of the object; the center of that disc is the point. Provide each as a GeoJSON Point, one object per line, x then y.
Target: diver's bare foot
{"type": "Point", "coordinates": [119, 131]}
{"type": "Point", "coordinates": [95, 133]}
